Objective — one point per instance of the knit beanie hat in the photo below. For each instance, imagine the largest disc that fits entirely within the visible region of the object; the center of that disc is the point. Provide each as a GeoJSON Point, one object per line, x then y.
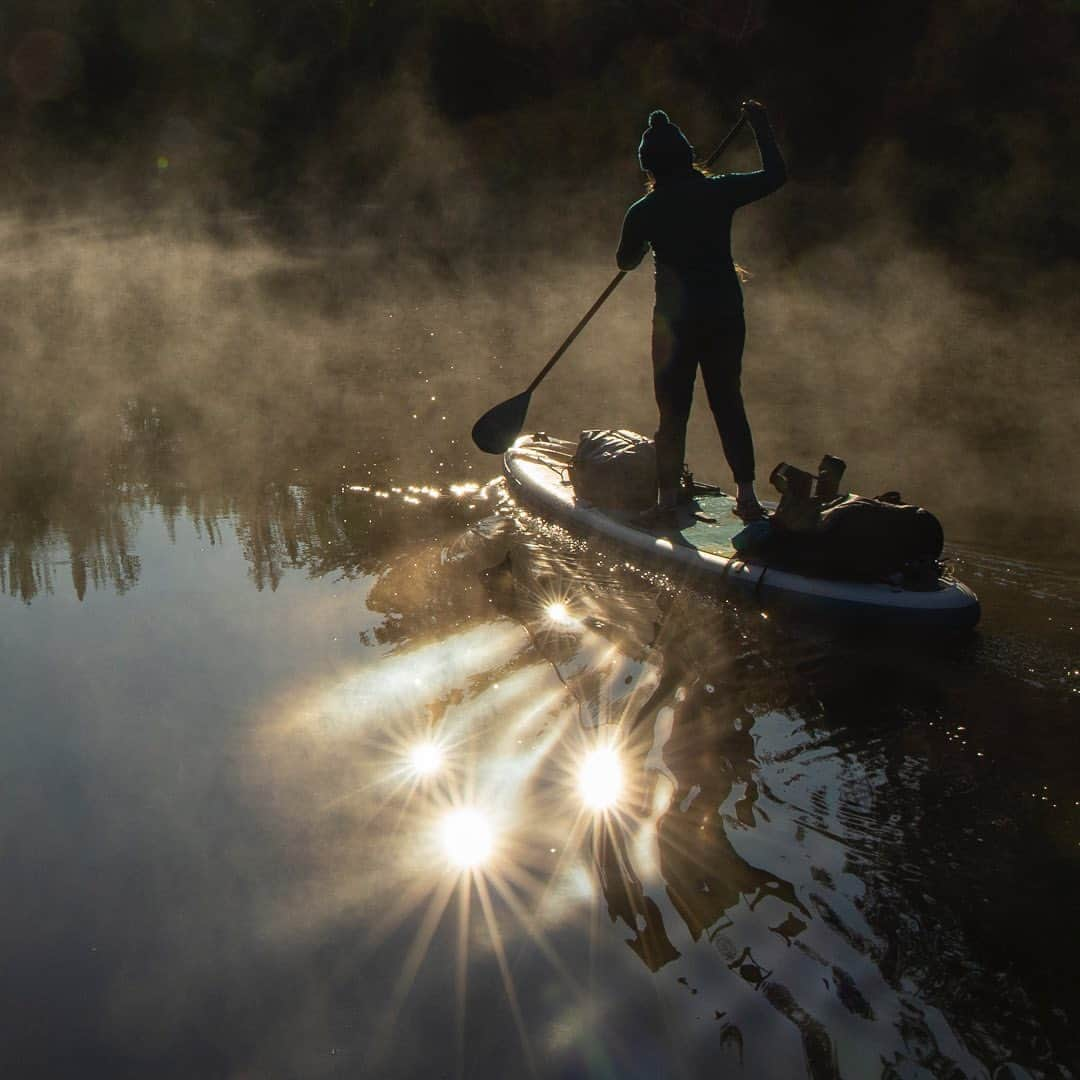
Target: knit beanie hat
{"type": "Point", "coordinates": [664, 145]}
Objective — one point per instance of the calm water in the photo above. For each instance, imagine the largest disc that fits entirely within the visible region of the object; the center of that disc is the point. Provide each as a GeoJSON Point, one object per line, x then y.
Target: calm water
{"type": "Point", "coordinates": [231, 616]}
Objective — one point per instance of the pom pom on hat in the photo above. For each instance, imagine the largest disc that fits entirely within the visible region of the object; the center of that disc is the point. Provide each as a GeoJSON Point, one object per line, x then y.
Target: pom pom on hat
{"type": "Point", "coordinates": [663, 146]}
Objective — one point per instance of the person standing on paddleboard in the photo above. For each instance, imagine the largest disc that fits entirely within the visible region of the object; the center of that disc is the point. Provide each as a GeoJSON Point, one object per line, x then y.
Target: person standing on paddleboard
{"type": "Point", "coordinates": [698, 318]}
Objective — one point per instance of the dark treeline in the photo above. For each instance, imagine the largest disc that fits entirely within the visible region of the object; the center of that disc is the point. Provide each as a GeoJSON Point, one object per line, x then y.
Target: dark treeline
{"type": "Point", "coordinates": [968, 109]}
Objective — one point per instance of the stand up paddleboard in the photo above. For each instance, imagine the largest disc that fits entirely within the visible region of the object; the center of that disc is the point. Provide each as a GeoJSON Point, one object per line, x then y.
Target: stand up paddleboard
{"type": "Point", "coordinates": [700, 545]}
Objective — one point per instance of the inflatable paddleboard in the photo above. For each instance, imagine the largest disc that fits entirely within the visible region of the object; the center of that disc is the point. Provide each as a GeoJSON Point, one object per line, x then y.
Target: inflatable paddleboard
{"type": "Point", "coordinates": [700, 545]}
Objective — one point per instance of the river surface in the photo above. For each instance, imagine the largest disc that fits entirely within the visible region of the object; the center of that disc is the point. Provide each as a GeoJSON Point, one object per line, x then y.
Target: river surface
{"type": "Point", "coordinates": [322, 758]}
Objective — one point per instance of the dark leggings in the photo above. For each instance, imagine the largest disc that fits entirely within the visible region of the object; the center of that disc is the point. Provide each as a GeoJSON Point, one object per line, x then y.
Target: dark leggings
{"type": "Point", "coordinates": [715, 342]}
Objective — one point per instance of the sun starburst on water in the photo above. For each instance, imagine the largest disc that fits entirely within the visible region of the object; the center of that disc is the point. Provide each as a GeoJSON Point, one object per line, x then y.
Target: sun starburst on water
{"type": "Point", "coordinates": [508, 831]}
{"type": "Point", "coordinates": [467, 837]}
{"type": "Point", "coordinates": [600, 778]}
{"type": "Point", "coordinates": [484, 796]}
{"type": "Point", "coordinates": [558, 614]}
{"type": "Point", "coordinates": [426, 758]}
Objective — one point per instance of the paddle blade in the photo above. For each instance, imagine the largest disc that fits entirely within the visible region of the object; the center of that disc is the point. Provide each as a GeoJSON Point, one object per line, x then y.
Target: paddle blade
{"type": "Point", "coordinates": [497, 429]}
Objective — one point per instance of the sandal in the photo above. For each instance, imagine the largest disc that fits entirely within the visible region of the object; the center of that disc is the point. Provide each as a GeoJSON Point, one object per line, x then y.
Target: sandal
{"type": "Point", "coordinates": [750, 511]}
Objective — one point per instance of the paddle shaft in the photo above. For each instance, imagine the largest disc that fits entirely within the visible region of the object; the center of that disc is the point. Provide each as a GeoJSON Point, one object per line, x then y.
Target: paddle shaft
{"type": "Point", "coordinates": [617, 279]}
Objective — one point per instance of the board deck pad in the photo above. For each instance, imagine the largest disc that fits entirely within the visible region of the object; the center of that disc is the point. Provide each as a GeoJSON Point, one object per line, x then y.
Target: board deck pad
{"type": "Point", "coordinates": [713, 537]}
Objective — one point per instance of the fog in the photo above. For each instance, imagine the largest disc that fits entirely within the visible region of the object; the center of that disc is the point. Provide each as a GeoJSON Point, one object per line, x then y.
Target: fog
{"type": "Point", "coordinates": [224, 363]}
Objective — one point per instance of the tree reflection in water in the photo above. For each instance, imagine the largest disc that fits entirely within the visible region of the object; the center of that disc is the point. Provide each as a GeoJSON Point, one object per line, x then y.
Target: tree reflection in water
{"type": "Point", "coordinates": [73, 497]}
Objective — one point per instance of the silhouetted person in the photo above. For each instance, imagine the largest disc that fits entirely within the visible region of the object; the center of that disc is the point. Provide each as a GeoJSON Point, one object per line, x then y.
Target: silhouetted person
{"type": "Point", "coordinates": [698, 319]}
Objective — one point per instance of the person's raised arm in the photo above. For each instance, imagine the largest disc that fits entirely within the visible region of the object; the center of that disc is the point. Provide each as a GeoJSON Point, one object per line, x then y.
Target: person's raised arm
{"type": "Point", "coordinates": [746, 187]}
{"type": "Point", "coordinates": [632, 243]}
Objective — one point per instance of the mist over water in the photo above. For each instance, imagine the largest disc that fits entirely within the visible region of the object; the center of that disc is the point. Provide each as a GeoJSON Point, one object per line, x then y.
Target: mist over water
{"type": "Point", "coordinates": [268, 623]}
{"type": "Point", "coordinates": [153, 348]}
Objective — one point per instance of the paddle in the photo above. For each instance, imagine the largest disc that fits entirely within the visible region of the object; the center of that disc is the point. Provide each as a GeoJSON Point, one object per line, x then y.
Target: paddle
{"type": "Point", "coordinates": [497, 429]}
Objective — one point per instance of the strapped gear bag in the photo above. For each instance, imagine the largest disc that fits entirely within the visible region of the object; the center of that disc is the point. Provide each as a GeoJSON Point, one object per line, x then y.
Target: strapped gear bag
{"type": "Point", "coordinates": [818, 530]}
{"type": "Point", "coordinates": [615, 470]}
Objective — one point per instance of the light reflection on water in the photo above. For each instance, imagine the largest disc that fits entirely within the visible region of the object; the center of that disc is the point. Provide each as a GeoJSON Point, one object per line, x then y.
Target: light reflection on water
{"type": "Point", "coordinates": [600, 778]}
{"type": "Point", "coordinates": [779, 870]}
{"type": "Point", "coordinates": [764, 861]}
{"type": "Point", "coordinates": [467, 837]}
{"type": "Point", "coordinates": [426, 758]}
